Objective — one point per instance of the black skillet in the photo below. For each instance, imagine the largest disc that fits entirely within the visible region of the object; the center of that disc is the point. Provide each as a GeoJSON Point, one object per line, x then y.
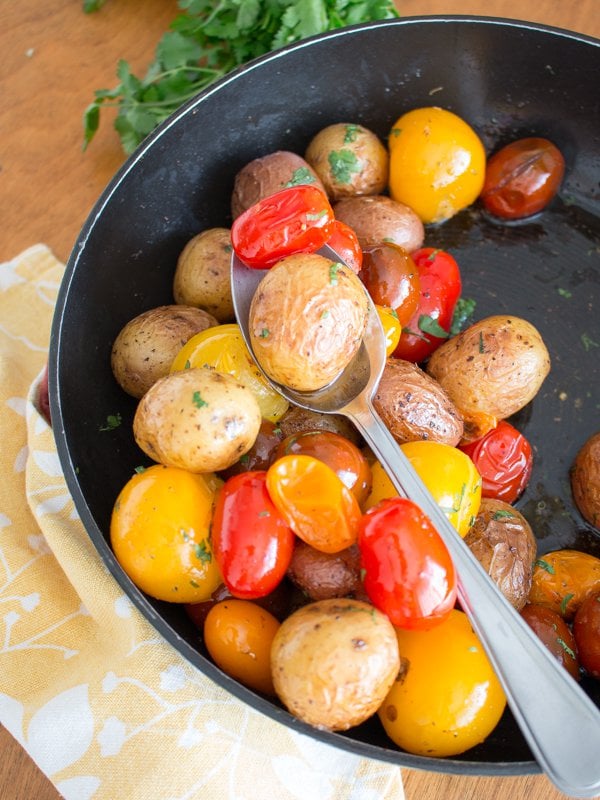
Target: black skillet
{"type": "Point", "coordinates": [508, 80]}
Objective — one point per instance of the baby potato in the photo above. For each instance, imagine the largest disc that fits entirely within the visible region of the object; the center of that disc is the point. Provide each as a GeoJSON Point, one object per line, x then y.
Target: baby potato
{"type": "Point", "coordinates": [414, 406]}
{"type": "Point", "coordinates": [585, 480]}
{"type": "Point", "coordinates": [202, 274]}
{"type": "Point", "coordinates": [197, 419]}
{"type": "Point", "coordinates": [491, 370]}
{"type": "Point", "coordinates": [380, 219]}
{"type": "Point", "coordinates": [307, 320]}
{"type": "Point", "coordinates": [269, 174]}
{"type": "Point", "coordinates": [349, 159]}
{"type": "Point", "coordinates": [333, 662]}
{"type": "Point", "coordinates": [502, 541]}
{"type": "Point", "coordinates": [146, 346]}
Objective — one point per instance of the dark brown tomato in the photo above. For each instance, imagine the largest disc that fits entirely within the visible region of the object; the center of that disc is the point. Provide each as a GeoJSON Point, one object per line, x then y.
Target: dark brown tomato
{"type": "Point", "coordinates": [278, 602]}
{"type": "Point", "coordinates": [260, 454]}
{"type": "Point", "coordinates": [554, 632]}
{"type": "Point", "coordinates": [586, 629]}
{"type": "Point", "coordinates": [392, 279]}
{"type": "Point", "coordinates": [323, 575]}
{"type": "Point", "coordinates": [344, 458]}
{"type": "Point", "coordinates": [522, 178]}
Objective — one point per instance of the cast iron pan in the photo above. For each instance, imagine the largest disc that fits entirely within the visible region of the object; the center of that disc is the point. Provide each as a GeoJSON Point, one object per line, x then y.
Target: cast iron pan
{"type": "Point", "coordinates": [508, 80]}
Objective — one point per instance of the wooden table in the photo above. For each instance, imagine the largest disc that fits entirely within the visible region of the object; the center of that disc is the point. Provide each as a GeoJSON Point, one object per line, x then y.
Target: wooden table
{"type": "Point", "coordinates": [53, 58]}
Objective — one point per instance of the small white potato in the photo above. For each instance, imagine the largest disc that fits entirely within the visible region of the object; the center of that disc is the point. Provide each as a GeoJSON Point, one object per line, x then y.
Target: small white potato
{"type": "Point", "coordinates": [307, 320]}
{"type": "Point", "coordinates": [202, 275]}
{"type": "Point", "coordinates": [146, 346]}
{"type": "Point", "coordinates": [197, 419]}
{"type": "Point", "coordinates": [333, 662]}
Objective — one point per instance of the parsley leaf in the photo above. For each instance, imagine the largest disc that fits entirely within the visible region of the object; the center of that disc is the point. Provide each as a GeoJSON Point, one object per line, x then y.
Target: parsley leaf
{"type": "Point", "coordinates": [344, 164]}
{"type": "Point", "coordinates": [112, 421]}
{"type": "Point", "coordinates": [205, 42]}
{"type": "Point", "coordinates": [430, 325]}
{"type": "Point", "coordinates": [463, 309]}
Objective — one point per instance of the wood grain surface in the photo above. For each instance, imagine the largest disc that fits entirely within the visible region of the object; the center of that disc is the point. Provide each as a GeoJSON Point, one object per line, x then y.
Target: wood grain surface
{"type": "Point", "coordinates": [53, 57]}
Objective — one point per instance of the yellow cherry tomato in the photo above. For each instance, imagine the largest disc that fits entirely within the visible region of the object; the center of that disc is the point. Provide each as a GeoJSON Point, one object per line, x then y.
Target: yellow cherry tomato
{"type": "Point", "coordinates": [437, 163]}
{"type": "Point", "coordinates": [447, 697]}
{"type": "Point", "coordinates": [223, 348]}
{"type": "Point", "coordinates": [447, 472]}
{"type": "Point", "coordinates": [238, 635]}
{"type": "Point", "coordinates": [159, 533]}
{"type": "Point", "coordinates": [391, 327]}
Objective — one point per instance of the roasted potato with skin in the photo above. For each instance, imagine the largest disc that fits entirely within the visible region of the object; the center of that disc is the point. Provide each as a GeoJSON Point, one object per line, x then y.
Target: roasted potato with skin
{"type": "Point", "coordinates": [300, 420]}
{"type": "Point", "coordinates": [202, 274]}
{"type": "Point", "coordinates": [334, 661]}
{"type": "Point", "coordinates": [349, 159]}
{"type": "Point", "coordinates": [380, 219]}
{"type": "Point", "coordinates": [491, 370]}
{"type": "Point", "coordinates": [585, 480]}
{"type": "Point", "coordinates": [307, 320]}
{"type": "Point", "coordinates": [146, 346]}
{"type": "Point", "coordinates": [324, 575]}
{"type": "Point", "coordinates": [413, 406]}
{"type": "Point", "coordinates": [269, 174]}
{"type": "Point", "coordinates": [197, 419]}
{"type": "Point", "coordinates": [502, 541]}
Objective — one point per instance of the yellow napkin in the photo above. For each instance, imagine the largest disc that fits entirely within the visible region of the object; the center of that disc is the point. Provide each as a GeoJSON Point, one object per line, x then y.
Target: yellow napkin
{"type": "Point", "coordinates": [103, 705]}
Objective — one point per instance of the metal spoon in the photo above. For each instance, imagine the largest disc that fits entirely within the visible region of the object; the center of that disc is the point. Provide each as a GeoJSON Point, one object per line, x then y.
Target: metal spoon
{"type": "Point", "coordinates": [559, 721]}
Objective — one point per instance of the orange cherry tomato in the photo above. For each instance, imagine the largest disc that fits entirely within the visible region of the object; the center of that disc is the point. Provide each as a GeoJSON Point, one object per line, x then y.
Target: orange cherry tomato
{"type": "Point", "coordinates": [344, 458]}
{"type": "Point", "coordinates": [437, 163]}
{"type": "Point", "coordinates": [238, 636]}
{"type": "Point", "coordinates": [563, 579]}
{"type": "Point", "coordinates": [160, 533]}
{"type": "Point", "coordinates": [447, 698]}
{"type": "Point", "coordinates": [315, 503]}
{"type": "Point", "coordinates": [392, 279]}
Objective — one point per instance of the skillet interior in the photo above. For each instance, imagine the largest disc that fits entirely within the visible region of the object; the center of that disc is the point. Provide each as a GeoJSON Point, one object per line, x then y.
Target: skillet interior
{"type": "Point", "coordinates": [508, 80]}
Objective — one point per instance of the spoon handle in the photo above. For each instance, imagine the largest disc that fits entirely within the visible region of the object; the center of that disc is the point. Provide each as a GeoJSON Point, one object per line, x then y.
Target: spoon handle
{"type": "Point", "coordinates": [559, 721]}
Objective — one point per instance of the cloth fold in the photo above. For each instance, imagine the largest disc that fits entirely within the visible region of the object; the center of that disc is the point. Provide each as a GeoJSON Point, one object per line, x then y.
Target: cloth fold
{"type": "Point", "coordinates": [103, 705]}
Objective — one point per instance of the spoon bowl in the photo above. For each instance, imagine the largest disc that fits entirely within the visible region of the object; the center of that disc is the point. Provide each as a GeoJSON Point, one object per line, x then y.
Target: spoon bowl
{"type": "Point", "coordinates": [542, 708]}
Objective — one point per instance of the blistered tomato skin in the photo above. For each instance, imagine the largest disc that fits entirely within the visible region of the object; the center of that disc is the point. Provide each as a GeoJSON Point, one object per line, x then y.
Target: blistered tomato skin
{"type": "Point", "coordinates": [251, 541]}
{"type": "Point", "coordinates": [408, 572]}
{"type": "Point", "coordinates": [437, 163]}
{"type": "Point", "coordinates": [586, 629]}
{"type": "Point", "coordinates": [345, 243]}
{"type": "Point", "coordinates": [392, 279]}
{"type": "Point", "coordinates": [447, 697]}
{"type": "Point", "coordinates": [160, 530]}
{"type": "Point", "coordinates": [504, 460]}
{"type": "Point", "coordinates": [440, 287]}
{"type": "Point", "coordinates": [522, 178]}
{"type": "Point", "coordinates": [238, 635]}
{"type": "Point", "coordinates": [298, 219]}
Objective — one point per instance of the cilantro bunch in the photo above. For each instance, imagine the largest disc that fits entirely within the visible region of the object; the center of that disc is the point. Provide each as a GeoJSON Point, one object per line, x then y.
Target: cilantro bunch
{"type": "Point", "coordinates": [205, 42]}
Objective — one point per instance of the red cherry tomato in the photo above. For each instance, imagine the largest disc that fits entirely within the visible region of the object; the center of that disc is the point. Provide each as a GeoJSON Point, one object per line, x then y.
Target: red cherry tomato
{"type": "Point", "coordinates": [298, 219]}
{"type": "Point", "coordinates": [554, 632]}
{"type": "Point", "coordinates": [586, 629]}
{"type": "Point", "coordinates": [392, 279]}
{"type": "Point", "coordinates": [504, 459]}
{"type": "Point", "coordinates": [345, 243]}
{"type": "Point", "coordinates": [408, 571]}
{"type": "Point", "coordinates": [339, 453]}
{"type": "Point", "coordinates": [522, 178]}
{"type": "Point", "coordinates": [441, 285]}
{"type": "Point", "coordinates": [251, 541]}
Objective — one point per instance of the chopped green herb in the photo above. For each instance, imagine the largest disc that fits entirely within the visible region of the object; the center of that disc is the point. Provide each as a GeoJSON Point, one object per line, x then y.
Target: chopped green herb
{"type": "Point", "coordinates": [565, 602]}
{"type": "Point", "coordinates": [264, 513]}
{"type": "Point", "coordinates": [565, 647]}
{"type": "Point", "coordinates": [481, 343]}
{"type": "Point", "coordinates": [333, 274]}
{"type": "Point", "coordinates": [324, 314]}
{"type": "Point", "coordinates": [188, 364]}
{"type": "Point", "coordinates": [139, 470]}
{"type": "Point", "coordinates": [206, 42]}
{"type": "Point", "coordinates": [245, 459]}
{"type": "Point", "coordinates": [395, 132]}
{"type": "Point", "coordinates": [463, 309]}
{"type": "Point", "coordinates": [112, 421]}
{"type": "Point", "coordinates": [316, 216]}
{"type": "Point", "coordinates": [351, 133]}
{"type": "Point", "coordinates": [202, 552]}
{"type": "Point", "coordinates": [92, 5]}
{"type": "Point", "coordinates": [194, 585]}
{"type": "Point", "coordinates": [415, 333]}
{"type": "Point", "coordinates": [264, 333]}
{"type": "Point", "coordinates": [300, 176]}
{"type": "Point", "coordinates": [198, 401]}
{"type": "Point", "coordinates": [433, 254]}
{"type": "Point", "coordinates": [344, 164]}
{"type": "Point", "coordinates": [502, 514]}
{"type": "Point", "coordinates": [565, 293]}
{"type": "Point", "coordinates": [184, 535]}
{"type": "Point", "coordinates": [431, 326]}
{"type": "Point", "coordinates": [544, 565]}
{"type": "Point", "coordinates": [588, 342]}
{"type": "Point", "coordinates": [393, 313]}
